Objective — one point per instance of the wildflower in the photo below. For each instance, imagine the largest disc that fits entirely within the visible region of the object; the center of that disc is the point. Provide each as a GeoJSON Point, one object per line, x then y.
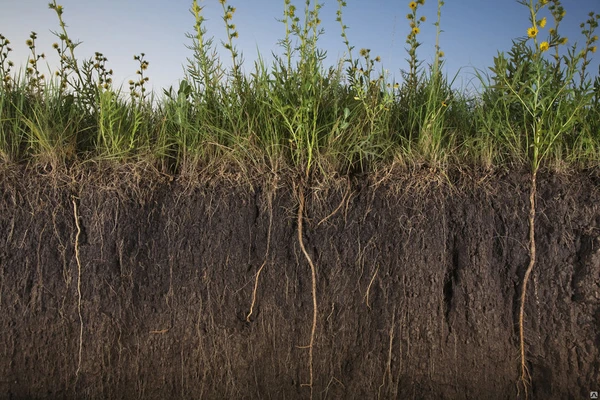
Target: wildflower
{"type": "Point", "coordinates": [55, 45]}
{"type": "Point", "coordinates": [131, 82]}
{"type": "Point", "coordinates": [441, 54]}
{"type": "Point", "coordinates": [415, 30]}
{"type": "Point", "coordinates": [421, 2]}
{"type": "Point", "coordinates": [423, 18]}
{"type": "Point", "coordinates": [552, 31]}
{"type": "Point", "coordinates": [364, 52]}
{"type": "Point", "coordinates": [593, 49]}
{"type": "Point", "coordinates": [396, 85]}
{"type": "Point", "coordinates": [444, 104]}
{"type": "Point", "coordinates": [594, 38]}
{"type": "Point", "coordinates": [532, 32]}
{"type": "Point", "coordinates": [222, 1]}
{"type": "Point", "coordinates": [564, 40]}
{"type": "Point", "coordinates": [29, 42]}
{"type": "Point", "coordinates": [228, 15]}
{"type": "Point", "coordinates": [378, 59]}
{"type": "Point", "coordinates": [234, 35]}
{"type": "Point", "coordinates": [542, 23]}
{"type": "Point", "coordinates": [544, 46]}
{"type": "Point", "coordinates": [412, 5]}
{"type": "Point", "coordinates": [409, 16]}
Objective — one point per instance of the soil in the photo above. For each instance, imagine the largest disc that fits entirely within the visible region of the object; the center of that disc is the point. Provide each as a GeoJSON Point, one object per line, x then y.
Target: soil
{"type": "Point", "coordinates": [128, 286]}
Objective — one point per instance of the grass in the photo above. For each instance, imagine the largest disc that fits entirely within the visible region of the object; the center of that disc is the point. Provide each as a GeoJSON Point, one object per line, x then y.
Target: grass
{"type": "Point", "coordinates": [538, 107]}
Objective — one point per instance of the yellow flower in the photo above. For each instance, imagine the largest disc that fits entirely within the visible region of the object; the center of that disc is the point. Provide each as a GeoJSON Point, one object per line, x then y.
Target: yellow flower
{"type": "Point", "coordinates": [542, 23]}
{"type": "Point", "coordinates": [532, 32]}
{"type": "Point", "coordinates": [378, 59]}
{"type": "Point", "coordinates": [423, 18]}
{"type": "Point", "coordinates": [228, 16]}
{"type": "Point", "coordinates": [593, 49]}
{"type": "Point", "coordinates": [544, 46]}
{"type": "Point", "coordinates": [564, 40]}
{"type": "Point", "coordinates": [441, 54]}
{"type": "Point", "coordinates": [412, 5]}
{"type": "Point", "coordinates": [409, 16]}
{"type": "Point", "coordinates": [222, 1]}
{"type": "Point", "coordinates": [594, 38]}
{"type": "Point", "coordinates": [364, 52]}
{"type": "Point", "coordinates": [415, 30]}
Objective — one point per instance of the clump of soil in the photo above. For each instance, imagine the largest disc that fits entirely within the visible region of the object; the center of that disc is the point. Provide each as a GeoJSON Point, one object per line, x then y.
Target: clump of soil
{"type": "Point", "coordinates": [418, 280]}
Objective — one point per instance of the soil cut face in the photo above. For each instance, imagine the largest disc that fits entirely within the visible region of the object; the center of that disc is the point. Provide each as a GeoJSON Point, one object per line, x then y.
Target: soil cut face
{"type": "Point", "coordinates": [116, 290]}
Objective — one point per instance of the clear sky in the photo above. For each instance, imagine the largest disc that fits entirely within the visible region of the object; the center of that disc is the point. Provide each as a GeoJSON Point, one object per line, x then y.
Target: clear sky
{"type": "Point", "coordinates": [474, 30]}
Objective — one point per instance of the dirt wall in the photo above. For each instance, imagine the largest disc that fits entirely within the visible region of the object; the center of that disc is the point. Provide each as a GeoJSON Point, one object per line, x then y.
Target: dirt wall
{"type": "Point", "coordinates": [418, 279]}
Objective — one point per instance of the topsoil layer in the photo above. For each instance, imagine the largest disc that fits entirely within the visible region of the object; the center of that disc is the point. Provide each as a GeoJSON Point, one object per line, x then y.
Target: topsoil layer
{"type": "Point", "coordinates": [114, 289]}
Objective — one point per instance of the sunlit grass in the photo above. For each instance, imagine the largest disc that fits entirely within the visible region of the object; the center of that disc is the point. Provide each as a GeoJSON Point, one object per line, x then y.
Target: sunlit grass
{"type": "Point", "coordinates": [537, 106]}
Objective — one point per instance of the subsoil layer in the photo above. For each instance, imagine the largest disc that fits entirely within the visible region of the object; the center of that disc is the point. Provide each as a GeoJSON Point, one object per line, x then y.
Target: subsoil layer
{"type": "Point", "coordinates": [127, 287]}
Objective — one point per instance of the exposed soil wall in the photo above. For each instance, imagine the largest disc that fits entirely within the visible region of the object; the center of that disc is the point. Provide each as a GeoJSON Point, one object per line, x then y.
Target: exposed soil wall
{"type": "Point", "coordinates": [418, 283]}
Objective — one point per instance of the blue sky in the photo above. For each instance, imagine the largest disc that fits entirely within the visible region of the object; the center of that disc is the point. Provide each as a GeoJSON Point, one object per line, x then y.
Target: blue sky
{"type": "Point", "coordinates": [474, 30]}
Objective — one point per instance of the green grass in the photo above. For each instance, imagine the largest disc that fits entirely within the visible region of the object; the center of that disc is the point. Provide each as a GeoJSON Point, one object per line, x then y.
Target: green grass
{"type": "Point", "coordinates": [537, 107]}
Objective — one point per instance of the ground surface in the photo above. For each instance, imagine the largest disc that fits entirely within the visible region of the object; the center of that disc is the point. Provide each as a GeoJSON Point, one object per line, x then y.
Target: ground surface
{"type": "Point", "coordinates": [418, 280]}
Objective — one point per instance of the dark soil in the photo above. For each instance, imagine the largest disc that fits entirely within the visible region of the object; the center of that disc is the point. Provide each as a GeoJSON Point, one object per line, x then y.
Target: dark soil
{"type": "Point", "coordinates": [418, 283]}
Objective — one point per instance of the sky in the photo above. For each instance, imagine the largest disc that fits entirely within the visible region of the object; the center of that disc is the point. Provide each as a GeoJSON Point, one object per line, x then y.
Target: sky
{"type": "Point", "coordinates": [473, 32]}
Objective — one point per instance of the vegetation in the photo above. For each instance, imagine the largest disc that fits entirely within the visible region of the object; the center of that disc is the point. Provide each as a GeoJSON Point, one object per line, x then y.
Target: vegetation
{"type": "Point", "coordinates": [536, 106]}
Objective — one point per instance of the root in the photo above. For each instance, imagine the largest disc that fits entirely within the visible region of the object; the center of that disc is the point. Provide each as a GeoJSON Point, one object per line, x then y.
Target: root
{"type": "Point", "coordinates": [314, 290]}
{"type": "Point", "coordinates": [264, 262]}
{"type": "Point", "coordinates": [525, 378]}
{"type": "Point", "coordinates": [80, 353]}
{"type": "Point", "coordinates": [369, 287]}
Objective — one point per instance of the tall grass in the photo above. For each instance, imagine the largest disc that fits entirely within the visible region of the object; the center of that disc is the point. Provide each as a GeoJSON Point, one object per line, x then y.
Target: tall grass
{"type": "Point", "coordinates": [538, 105]}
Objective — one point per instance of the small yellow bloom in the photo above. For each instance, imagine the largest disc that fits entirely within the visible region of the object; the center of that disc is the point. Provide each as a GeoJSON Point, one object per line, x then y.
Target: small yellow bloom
{"type": "Point", "coordinates": [532, 32]}
{"type": "Point", "coordinates": [378, 59]}
{"type": "Point", "coordinates": [222, 1]}
{"type": "Point", "coordinates": [364, 52]}
{"type": "Point", "coordinates": [564, 40]}
{"type": "Point", "coordinates": [412, 5]}
{"type": "Point", "coordinates": [593, 49]}
{"type": "Point", "coordinates": [228, 16]}
{"type": "Point", "coordinates": [415, 30]}
{"type": "Point", "coordinates": [544, 46]}
{"type": "Point", "coordinates": [409, 16]}
{"type": "Point", "coordinates": [423, 18]}
{"type": "Point", "coordinates": [542, 23]}
{"type": "Point", "coordinates": [441, 54]}
{"type": "Point", "coordinates": [594, 38]}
